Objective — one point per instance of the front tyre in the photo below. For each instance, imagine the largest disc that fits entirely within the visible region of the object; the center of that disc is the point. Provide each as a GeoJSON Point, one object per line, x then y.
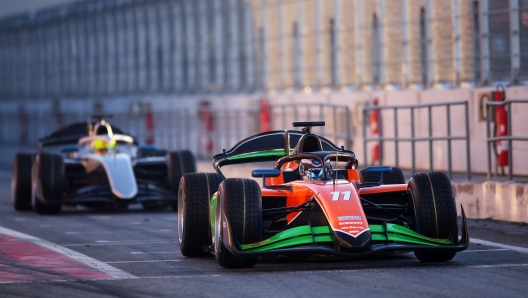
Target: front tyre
{"type": "Point", "coordinates": [239, 203]}
{"type": "Point", "coordinates": [194, 194]}
{"type": "Point", "coordinates": [21, 181]}
{"type": "Point", "coordinates": [47, 183]}
{"type": "Point", "coordinates": [435, 211]}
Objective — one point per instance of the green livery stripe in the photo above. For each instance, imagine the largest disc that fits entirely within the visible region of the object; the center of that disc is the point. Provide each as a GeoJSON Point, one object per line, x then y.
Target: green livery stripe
{"type": "Point", "coordinates": [291, 237]}
{"type": "Point", "coordinates": [300, 240]}
{"type": "Point", "coordinates": [398, 233]}
{"type": "Point", "coordinates": [309, 235]}
{"type": "Point", "coordinates": [274, 152]}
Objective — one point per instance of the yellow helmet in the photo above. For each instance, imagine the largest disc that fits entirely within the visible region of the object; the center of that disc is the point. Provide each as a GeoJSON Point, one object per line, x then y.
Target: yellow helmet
{"type": "Point", "coordinates": [101, 144]}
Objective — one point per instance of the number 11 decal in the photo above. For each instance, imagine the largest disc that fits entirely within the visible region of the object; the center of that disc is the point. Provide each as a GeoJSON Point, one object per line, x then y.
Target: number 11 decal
{"type": "Point", "coordinates": [336, 194]}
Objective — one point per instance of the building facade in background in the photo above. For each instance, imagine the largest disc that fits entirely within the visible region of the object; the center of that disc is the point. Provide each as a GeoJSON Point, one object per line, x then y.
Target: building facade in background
{"type": "Point", "coordinates": [118, 47]}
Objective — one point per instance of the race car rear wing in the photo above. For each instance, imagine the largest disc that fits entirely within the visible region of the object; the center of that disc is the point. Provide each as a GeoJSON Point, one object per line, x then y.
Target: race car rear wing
{"type": "Point", "coordinates": [266, 146]}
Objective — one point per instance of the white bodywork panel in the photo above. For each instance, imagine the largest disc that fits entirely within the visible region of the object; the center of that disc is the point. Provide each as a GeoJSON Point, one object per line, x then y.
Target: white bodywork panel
{"type": "Point", "coordinates": [119, 170]}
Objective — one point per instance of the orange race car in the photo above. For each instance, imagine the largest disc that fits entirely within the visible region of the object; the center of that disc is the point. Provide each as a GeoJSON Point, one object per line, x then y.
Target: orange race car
{"type": "Point", "coordinates": [314, 202]}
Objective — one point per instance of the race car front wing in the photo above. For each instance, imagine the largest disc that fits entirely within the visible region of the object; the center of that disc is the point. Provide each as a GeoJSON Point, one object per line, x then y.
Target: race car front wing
{"type": "Point", "coordinates": [307, 239]}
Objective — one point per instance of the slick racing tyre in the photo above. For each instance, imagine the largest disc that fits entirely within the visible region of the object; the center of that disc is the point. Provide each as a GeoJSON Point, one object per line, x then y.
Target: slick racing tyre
{"type": "Point", "coordinates": [179, 163]}
{"type": "Point", "coordinates": [21, 181]}
{"type": "Point", "coordinates": [435, 210]}
{"type": "Point", "coordinates": [194, 195]}
{"type": "Point", "coordinates": [239, 200]}
{"type": "Point", "coordinates": [394, 177]}
{"type": "Point", "coordinates": [47, 183]}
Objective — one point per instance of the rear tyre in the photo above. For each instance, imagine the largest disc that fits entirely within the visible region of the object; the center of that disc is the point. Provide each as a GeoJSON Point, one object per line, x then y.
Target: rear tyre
{"type": "Point", "coordinates": [194, 194]}
{"type": "Point", "coordinates": [394, 177]}
{"type": "Point", "coordinates": [21, 181]}
{"type": "Point", "coordinates": [48, 183]}
{"type": "Point", "coordinates": [178, 164]}
{"type": "Point", "coordinates": [435, 210]}
{"type": "Point", "coordinates": [239, 200]}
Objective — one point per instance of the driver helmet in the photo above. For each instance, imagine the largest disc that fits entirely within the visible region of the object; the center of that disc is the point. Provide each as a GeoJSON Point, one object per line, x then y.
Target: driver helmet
{"type": "Point", "coordinates": [102, 146]}
{"type": "Point", "coordinates": [310, 169]}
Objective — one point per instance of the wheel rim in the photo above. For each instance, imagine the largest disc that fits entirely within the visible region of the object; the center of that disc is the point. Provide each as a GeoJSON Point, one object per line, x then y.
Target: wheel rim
{"type": "Point", "coordinates": [218, 225]}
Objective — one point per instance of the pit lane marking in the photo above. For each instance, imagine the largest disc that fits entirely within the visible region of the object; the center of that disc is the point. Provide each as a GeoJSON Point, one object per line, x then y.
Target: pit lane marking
{"type": "Point", "coordinates": [486, 250]}
{"type": "Point", "coordinates": [110, 279]}
{"type": "Point", "coordinates": [147, 261]}
{"type": "Point", "coordinates": [506, 265]}
{"type": "Point", "coordinates": [108, 242]}
{"type": "Point", "coordinates": [90, 262]}
{"type": "Point", "coordinates": [153, 252]}
{"type": "Point", "coordinates": [500, 245]}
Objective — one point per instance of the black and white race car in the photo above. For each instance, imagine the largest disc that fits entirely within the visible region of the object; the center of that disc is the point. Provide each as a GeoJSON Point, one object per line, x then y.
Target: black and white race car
{"type": "Point", "coordinates": [96, 165]}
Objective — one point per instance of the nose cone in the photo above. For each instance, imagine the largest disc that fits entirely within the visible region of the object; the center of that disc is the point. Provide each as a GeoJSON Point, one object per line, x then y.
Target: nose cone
{"type": "Point", "coordinates": [347, 241]}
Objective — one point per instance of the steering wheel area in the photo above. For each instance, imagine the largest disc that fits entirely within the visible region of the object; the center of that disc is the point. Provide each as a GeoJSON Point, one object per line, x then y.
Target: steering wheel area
{"type": "Point", "coordinates": [321, 157]}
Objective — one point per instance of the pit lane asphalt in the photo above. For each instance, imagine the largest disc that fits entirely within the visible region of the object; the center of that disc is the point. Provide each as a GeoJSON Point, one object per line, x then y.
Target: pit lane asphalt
{"type": "Point", "coordinates": [144, 244]}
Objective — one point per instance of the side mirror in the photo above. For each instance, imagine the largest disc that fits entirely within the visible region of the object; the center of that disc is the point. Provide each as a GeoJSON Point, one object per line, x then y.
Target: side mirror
{"type": "Point", "coordinates": [147, 148]}
{"type": "Point", "coordinates": [376, 170]}
{"type": "Point", "coordinates": [265, 173]}
{"type": "Point", "coordinates": [379, 169]}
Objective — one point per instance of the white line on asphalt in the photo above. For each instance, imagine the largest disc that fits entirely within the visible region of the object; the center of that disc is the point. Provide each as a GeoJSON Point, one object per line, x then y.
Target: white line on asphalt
{"type": "Point", "coordinates": [153, 252]}
{"type": "Point", "coordinates": [72, 233]}
{"type": "Point", "coordinates": [101, 279]}
{"type": "Point", "coordinates": [5, 174]}
{"type": "Point", "coordinates": [98, 265]}
{"type": "Point", "coordinates": [107, 242]}
{"type": "Point", "coordinates": [100, 217]}
{"type": "Point", "coordinates": [44, 226]}
{"type": "Point", "coordinates": [148, 261]}
{"type": "Point", "coordinates": [505, 246]}
{"type": "Point", "coordinates": [484, 250]}
{"type": "Point", "coordinates": [318, 272]}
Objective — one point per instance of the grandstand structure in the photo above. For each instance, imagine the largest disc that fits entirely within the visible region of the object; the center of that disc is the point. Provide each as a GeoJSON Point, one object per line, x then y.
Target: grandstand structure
{"type": "Point", "coordinates": [106, 48]}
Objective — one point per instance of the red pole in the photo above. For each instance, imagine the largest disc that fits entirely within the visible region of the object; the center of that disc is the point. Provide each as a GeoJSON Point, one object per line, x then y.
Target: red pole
{"type": "Point", "coordinates": [374, 130]}
{"type": "Point", "coordinates": [149, 125]}
{"type": "Point", "coordinates": [264, 115]}
{"type": "Point", "coordinates": [208, 127]}
{"type": "Point", "coordinates": [501, 127]}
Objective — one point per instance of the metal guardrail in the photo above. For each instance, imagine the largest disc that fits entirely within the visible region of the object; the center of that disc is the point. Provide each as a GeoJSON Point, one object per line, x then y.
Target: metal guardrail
{"type": "Point", "coordinates": [413, 139]}
{"type": "Point", "coordinates": [337, 129]}
{"type": "Point", "coordinates": [492, 140]}
{"type": "Point", "coordinates": [224, 129]}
